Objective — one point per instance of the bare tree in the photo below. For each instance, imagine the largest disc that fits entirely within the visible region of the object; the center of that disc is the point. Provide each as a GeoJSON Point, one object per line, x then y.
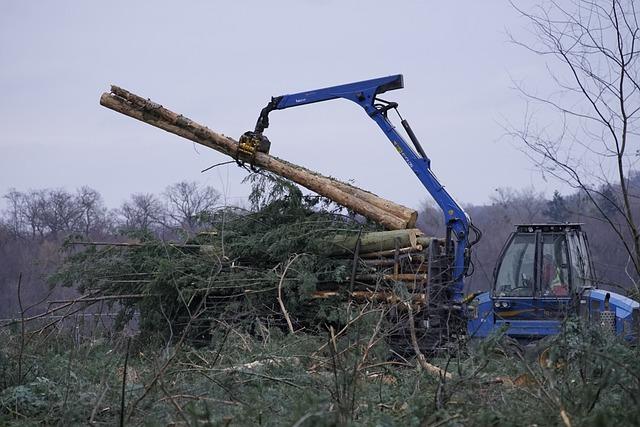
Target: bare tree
{"type": "Point", "coordinates": [13, 213]}
{"type": "Point", "coordinates": [32, 213]}
{"type": "Point", "coordinates": [518, 206]}
{"type": "Point", "coordinates": [54, 213]}
{"type": "Point", "coordinates": [187, 201]}
{"type": "Point", "coordinates": [60, 210]}
{"type": "Point", "coordinates": [591, 47]}
{"type": "Point", "coordinates": [94, 213]}
{"type": "Point", "coordinates": [141, 212]}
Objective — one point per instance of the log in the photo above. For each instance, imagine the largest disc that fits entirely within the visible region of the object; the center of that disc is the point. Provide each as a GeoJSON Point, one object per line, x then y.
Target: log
{"type": "Point", "coordinates": [391, 252]}
{"type": "Point", "coordinates": [385, 212]}
{"type": "Point", "coordinates": [422, 360]}
{"type": "Point", "coordinates": [137, 244]}
{"type": "Point", "coordinates": [400, 277]}
{"type": "Point", "coordinates": [415, 260]}
{"type": "Point", "coordinates": [375, 200]}
{"type": "Point", "coordinates": [386, 205]}
{"type": "Point", "coordinates": [344, 244]}
{"type": "Point", "coordinates": [373, 296]}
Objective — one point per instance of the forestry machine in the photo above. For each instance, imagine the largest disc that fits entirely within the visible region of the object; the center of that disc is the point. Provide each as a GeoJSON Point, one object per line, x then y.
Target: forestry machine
{"type": "Point", "coordinates": [544, 271]}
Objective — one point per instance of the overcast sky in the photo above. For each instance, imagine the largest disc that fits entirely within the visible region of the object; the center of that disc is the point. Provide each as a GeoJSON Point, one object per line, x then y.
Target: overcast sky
{"type": "Point", "coordinates": [220, 62]}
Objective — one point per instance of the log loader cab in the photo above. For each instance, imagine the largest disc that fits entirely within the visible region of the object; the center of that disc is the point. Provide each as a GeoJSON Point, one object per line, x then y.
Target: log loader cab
{"type": "Point", "coordinates": [544, 272]}
{"type": "Point", "coordinates": [543, 261]}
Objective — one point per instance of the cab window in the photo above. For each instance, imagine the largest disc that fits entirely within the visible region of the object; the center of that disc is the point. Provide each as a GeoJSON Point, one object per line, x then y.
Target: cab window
{"type": "Point", "coordinates": [515, 273]}
{"type": "Point", "coordinates": [579, 264]}
{"type": "Point", "coordinates": [588, 267]}
{"type": "Point", "coordinates": [554, 271]}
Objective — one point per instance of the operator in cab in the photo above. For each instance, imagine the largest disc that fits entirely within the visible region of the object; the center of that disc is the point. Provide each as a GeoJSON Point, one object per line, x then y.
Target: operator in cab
{"type": "Point", "coordinates": [552, 283]}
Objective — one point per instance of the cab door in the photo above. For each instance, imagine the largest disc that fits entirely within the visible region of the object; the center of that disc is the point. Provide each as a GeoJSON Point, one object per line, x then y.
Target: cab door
{"type": "Point", "coordinates": [515, 278]}
{"type": "Point", "coordinates": [581, 267]}
{"type": "Point", "coordinates": [554, 277]}
{"type": "Point", "coordinates": [533, 279]}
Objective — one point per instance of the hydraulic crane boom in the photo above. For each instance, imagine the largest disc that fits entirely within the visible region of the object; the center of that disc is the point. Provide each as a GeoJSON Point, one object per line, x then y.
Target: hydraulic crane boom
{"type": "Point", "coordinates": [365, 93]}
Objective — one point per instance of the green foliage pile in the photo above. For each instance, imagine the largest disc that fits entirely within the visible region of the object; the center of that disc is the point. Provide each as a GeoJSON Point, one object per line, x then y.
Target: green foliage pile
{"type": "Point", "coordinates": [587, 378]}
{"type": "Point", "coordinates": [230, 272]}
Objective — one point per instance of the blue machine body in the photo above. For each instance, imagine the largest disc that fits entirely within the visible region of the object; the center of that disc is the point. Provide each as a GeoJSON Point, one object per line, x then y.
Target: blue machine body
{"type": "Point", "coordinates": [483, 320]}
{"type": "Point", "coordinates": [521, 305]}
{"type": "Point", "coordinates": [626, 311]}
{"type": "Point", "coordinates": [543, 274]}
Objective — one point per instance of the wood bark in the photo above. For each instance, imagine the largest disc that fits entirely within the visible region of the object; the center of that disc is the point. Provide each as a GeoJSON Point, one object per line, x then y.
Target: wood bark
{"type": "Point", "coordinates": [343, 244]}
{"type": "Point", "coordinates": [407, 277]}
{"type": "Point", "coordinates": [422, 360]}
{"type": "Point", "coordinates": [385, 212]}
{"type": "Point", "coordinates": [391, 252]}
{"type": "Point", "coordinates": [390, 262]}
{"type": "Point", "coordinates": [374, 296]}
{"type": "Point", "coordinates": [380, 243]}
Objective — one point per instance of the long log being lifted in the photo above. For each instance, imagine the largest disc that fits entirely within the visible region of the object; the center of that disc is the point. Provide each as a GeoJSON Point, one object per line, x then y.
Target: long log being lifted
{"type": "Point", "coordinates": [391, 215]}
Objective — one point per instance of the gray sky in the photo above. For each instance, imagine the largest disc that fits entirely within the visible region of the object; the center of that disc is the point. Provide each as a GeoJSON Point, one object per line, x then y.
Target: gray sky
{"type": "Point", "coordinates": [220, 62]}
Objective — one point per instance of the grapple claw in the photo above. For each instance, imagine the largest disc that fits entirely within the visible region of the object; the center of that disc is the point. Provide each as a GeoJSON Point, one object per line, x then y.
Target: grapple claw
{"type": "Point", "coordinates": [250, 142]}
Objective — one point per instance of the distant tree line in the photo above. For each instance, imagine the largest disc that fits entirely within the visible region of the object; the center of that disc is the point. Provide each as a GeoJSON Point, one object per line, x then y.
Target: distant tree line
{"type": "Point", "coordinates": [35, 224]}
{"type": "Point", "coordinates": [50, 214]}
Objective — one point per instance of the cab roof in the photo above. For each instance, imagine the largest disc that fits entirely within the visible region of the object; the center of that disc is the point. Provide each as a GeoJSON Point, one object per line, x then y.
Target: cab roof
{"type": "Point", "coordinates": [555, 227]}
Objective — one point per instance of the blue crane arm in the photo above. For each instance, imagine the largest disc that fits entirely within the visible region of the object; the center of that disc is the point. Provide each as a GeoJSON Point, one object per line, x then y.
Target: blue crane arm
{"type": "Point", "coordinates": [365, 94]}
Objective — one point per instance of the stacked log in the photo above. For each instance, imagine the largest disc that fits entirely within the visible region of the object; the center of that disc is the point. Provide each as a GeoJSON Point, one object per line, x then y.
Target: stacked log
{"type": "Point", "coordinates": [380, 243]}
{"type": "Point", "coordinates": [391, 215]}
{"type": "Point", "coordinates": [381, 261]}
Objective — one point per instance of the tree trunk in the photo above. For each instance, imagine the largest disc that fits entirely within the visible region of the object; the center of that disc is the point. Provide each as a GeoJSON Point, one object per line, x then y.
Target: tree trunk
{"type": "Point", "coordinates": [385, 212]}
{"type": "Point", "coordinates": [344, 244]}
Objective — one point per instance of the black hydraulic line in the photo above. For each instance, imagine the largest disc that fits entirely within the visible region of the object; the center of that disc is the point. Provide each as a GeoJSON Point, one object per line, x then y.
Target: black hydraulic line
{"type": "Point", "coordinates": [413, 138]}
